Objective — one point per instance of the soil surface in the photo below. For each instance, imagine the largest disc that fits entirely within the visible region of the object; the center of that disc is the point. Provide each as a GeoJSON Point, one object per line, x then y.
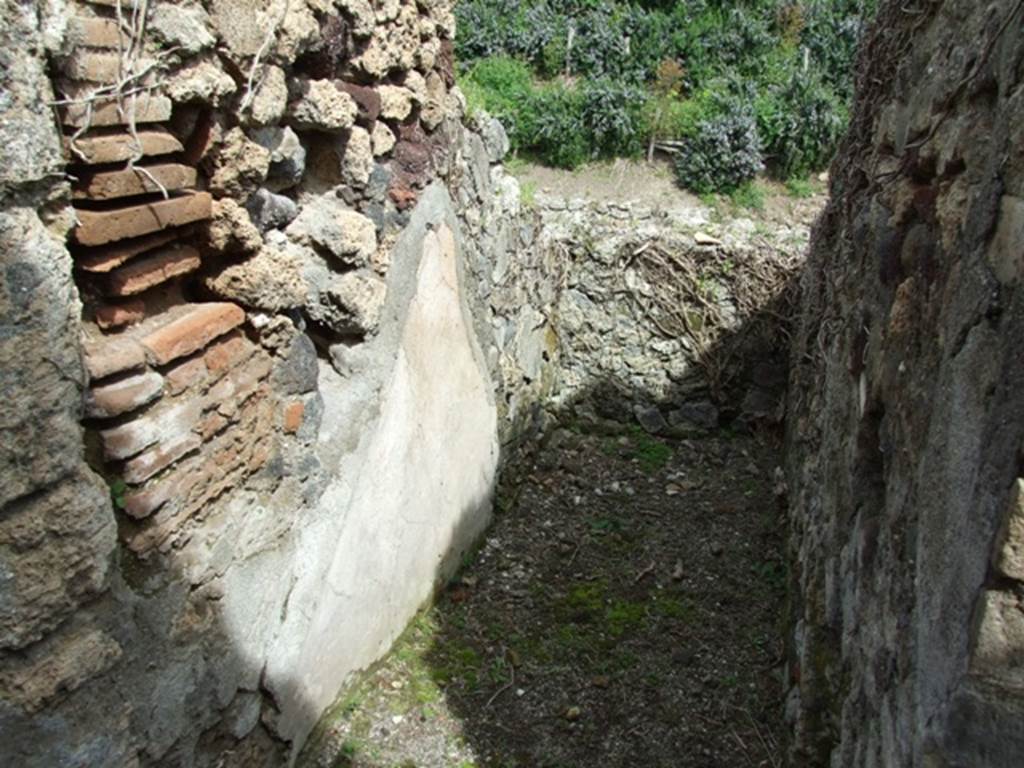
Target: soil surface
{"type": "Point", "coordinates": [624, 610]}
{"type": "Point", "coordinates": [653, 184]}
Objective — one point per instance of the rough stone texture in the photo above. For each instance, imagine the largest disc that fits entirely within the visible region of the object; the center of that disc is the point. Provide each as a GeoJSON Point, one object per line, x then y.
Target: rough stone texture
{"type": "Point", "coordinates": [238, 166]}
{"type": "Point", "coordinates": [328, 223]}
{"type": "Point", "coordinates": [322, 106]}
{"type": "Point", "coordinates": [906, 414]}
{"type": "Point", "coordinates": [269, 281]}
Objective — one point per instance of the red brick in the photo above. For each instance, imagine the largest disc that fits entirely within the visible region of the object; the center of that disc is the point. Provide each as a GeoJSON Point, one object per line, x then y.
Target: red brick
{"type": "Point", "coordinates": [228, 352]}
{"type": "Point", "coordinates": [184, 375]}
{"type": "Point", "coordinates": [108, 257]}
{"type": "Point", "coordinates": [235, 388]}
{"type": "Point", "coordinates": [101, 227]}
{"type": "Point", "coordinates": [148, 108]}
{"type": "Point", "coordinates": [106, 357]}
{"type": "Point", "coordinates": [211, 424]}
{"type": "Point", "coordinates": [154, 268]}
{"type": "Point", "coordinates": [120, 147]}
{"type": "Point", "coordinates": [129, 439]}
{"type": "Point", "coordinates": [142, 504]}
{"type": "Point", "coordinates": [293, 413]}
{"type": "Point", "coordinates": [119, 315]}
{"type": "Point", "coordinates": [96, 32]}
{"type": "Point", "coordinates": [109, 185]}
{"type": "Point", "coordinates": [124, 395]}
{"type": "Point", "coordinates": [86, 66]}
{"type": "Point", "coordinates": [202, 324]}
{"type": "Point", "coordinates": [147, 464]}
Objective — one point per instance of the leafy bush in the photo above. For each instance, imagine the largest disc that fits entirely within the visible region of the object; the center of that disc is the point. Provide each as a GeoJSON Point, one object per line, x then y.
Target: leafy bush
{"type": "Point", "coordinates": [561, 137]}
{"type": "Point", "coordinates": [612, 115]}
{"type": "Point", "coordinates": [801, 123]}
{"type": "Point", "coordinates": [725, 152]}
{"type": "Point", "coordinates": [797, 55]}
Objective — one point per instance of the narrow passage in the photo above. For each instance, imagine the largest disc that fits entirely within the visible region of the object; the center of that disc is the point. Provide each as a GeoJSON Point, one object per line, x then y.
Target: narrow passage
{"type": "Point", "coordinates": [623, 610]}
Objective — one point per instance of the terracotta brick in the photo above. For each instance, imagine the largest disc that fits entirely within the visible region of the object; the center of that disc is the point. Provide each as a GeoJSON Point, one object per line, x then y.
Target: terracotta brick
{"type": "Point", "coordinates": [129, 439]}
{"type": "Point", "coordinates": [109, 356]}
{"type": "Point", "coordinates": [202, 324]}
{"type": "Point", "coordinates": [154, 268]}
{"type": "Point", "coordinates": [108, 185]}
{"type": "Point", "coordinates": [101, 227]}
{"type": "Point", "coordinates": [124, 395]}
{"type": "Point", "coordinates": [108, 257]}
{"type": "Point", "coordinates": [96, 32]}
{"type": "Point", "coordinates": [184, 375]}
{"type": "Point", "coordinates": [149, 108]}
{"type": "Point", "coordinates": [86, 66]}
{"type": "Point", "coordinates": [228, 352]}
{"type": "Point", "coordinates": [211, 424]}
{"type": "Point", "coordinates": [235, 388]}
{"type": "Point", "coordinates": [109, 316]}
{"type": "Point", "coordinates": [293, 413]}
{"type": "Point", "coordinates": [142, 504]}
{"type": "Point", "coordinates": [120, 147]}
{"type": "Point", "coordinates": [147, 464]}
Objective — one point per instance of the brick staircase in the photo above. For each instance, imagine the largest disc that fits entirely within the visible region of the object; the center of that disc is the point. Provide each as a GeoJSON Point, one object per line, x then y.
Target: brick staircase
{"type": "Point", "coordinates": [178, 394]}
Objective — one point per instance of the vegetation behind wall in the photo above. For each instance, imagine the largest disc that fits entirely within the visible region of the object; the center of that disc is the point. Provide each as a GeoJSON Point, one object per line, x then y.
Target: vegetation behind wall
{"type": "Point", "coordinates": [728, 87]}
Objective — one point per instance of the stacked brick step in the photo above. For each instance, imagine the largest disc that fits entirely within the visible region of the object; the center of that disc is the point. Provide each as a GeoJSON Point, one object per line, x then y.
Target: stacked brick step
{"type": "Point", "coordinates": [178, 394]}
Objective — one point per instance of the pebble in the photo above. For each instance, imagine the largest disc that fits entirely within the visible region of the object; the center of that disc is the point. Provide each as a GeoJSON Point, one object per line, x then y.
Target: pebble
{"type": "Point", "coordinates": [572, 713]}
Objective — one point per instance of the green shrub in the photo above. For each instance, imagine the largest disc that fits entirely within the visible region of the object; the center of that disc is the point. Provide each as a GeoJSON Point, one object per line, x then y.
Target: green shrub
{"type": "Point", "coordinates": [724, 153]}
{"type": "Point", "coordinates": [611, 113]}
{"type": "Point", "coordinates": [560, 138]}
{"type": "Point", "coordinates": [800, 123]}
{"type": "Point", "coordinates": [502, 87]}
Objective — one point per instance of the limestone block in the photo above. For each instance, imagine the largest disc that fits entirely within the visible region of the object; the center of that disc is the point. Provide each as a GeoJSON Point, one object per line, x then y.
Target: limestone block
{"type": "Point", "coordinates": [383, 139]}
{"type": "Point", "coordinates": [435, 104]}
{"type": "Point", "coordinates": [322, 106]}
{"type": "Point", "coordinates": [270, 98]}
{"type": "Point", "coordinates": [269, 281]}
{"type": "Point", "coordinates": [1009, 553]}
{"type": "Point", "coordinates": [352, 302]}
{"type": "Point", "coordinates": [395, 102]}
{"type": "Point", "coordinates": [357, 162]}
{"type": "Point", "coordinates": [202, 82]}
{"type": "Point", "coordinates": [179, 26]}
{"type": "Point", "coordinates": [230, 228]}
{"type": "Point", "coordinates": [239, 165]}
{"type": "Point", "coordinates": [998, 643]}
{"type": "Point", "coordinates": [362, 16]}
{"type": "Point", "coordinates": [328, 223]}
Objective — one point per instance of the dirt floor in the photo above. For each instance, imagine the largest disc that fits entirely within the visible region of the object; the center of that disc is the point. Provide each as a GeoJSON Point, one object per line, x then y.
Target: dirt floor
{"type": "Point", "coordinates": [623, 610]}
{"type": "Point", "coordinates": [653, 184]}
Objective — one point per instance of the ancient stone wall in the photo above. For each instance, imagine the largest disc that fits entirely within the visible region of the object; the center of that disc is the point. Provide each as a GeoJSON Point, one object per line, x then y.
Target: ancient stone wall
{"type": "Point", "coordinates": [241, 213]}
{"type": "Point", "coordinates": [907, 415]}
{"type": "Point", "coordinates": [272, 314]}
